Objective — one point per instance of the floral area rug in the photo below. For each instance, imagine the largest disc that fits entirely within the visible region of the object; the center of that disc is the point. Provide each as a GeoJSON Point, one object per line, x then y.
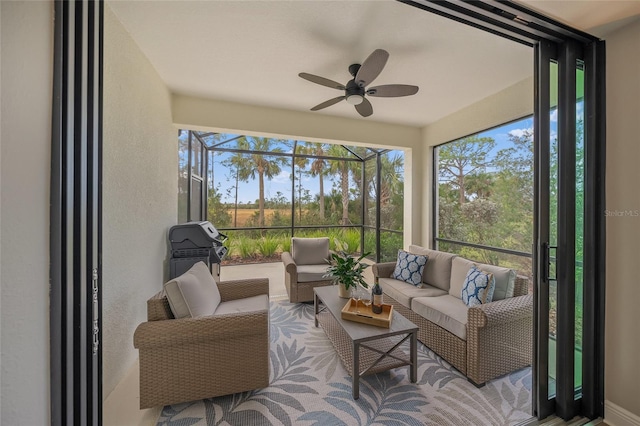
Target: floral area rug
{"type": "Point", "coordinates": [310, 386]}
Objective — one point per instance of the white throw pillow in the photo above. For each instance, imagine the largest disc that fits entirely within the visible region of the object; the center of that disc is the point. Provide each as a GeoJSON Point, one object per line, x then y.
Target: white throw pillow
{"type": "Point", "coordinates": [194, 293]}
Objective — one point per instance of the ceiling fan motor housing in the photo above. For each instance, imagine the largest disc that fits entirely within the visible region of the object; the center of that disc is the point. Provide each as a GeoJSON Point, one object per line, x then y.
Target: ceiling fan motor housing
{"type": "Point", "coordinates": [353, 89]}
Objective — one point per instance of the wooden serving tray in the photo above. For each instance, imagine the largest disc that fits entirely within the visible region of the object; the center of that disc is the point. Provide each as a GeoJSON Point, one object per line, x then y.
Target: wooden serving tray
{"type": "Point", "coordinates": [366, 315]}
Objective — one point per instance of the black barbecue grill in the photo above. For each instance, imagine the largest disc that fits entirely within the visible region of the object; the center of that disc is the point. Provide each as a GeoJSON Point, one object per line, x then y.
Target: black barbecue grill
{"type": "Point", "coordinates": [194, 242]}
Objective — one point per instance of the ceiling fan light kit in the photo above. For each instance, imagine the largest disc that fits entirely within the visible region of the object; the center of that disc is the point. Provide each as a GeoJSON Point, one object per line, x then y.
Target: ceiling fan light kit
{"type": "Point", "coordinates": [355, 89]}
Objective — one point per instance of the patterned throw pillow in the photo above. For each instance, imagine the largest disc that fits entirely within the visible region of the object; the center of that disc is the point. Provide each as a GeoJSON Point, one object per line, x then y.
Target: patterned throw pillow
{"type": "Point", "coordinates": [409, 267]}
{"type": "Point", "coordinates": [478, 287]}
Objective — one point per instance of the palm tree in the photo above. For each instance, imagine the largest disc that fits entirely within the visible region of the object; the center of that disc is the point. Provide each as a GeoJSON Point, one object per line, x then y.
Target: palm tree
{"type": "Point", "coordinates": [263, 165]}
{"type": "Point", "coordinates": [318, 166]}
{"type": "Point", "coordinates": [391, 178]}
{"type": "Point", "coordinates": [341, 168]}
{"type": "Point", "coordinates": [240, 162]}
{"type": "Point", "coordinates": [301, 163]}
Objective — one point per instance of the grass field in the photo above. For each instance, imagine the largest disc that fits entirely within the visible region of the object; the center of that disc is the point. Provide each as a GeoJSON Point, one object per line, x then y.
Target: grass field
{"type": "Point", "coordinates": [244, 214]}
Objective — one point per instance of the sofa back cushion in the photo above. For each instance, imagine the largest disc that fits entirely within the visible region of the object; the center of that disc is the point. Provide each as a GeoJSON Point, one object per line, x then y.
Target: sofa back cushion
{"type": "Point", "coordinates": [437, 271]}
{"type": "Point", "coordinates": [194, 293]}
{"type": "Point", "coordinates": [310, 251]}
{"type": "Point", "coordinates": [505, 278]}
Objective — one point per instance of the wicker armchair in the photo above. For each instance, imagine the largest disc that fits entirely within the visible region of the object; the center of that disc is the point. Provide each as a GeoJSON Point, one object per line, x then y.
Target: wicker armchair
{"type": "Point", "coordinates": [305, 266]}
{"type": "Point", "coordinates": [195, 358]}
{"type": "Point", "coordinates": [499, 334]}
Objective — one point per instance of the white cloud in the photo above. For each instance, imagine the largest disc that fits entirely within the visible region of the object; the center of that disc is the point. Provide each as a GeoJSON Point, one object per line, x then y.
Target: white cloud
{"type": "Point", "coordinates": [283, 177]}
{"type": "Point", "coordinates": [554, 115]}
{"type": "Point", "coordinates": [520, 132]}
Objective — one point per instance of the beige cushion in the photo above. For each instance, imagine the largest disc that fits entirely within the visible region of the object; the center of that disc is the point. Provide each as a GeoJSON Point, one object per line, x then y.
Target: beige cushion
{"type": "Point", "coordinates": [459, 269]}
{"type": "Point", "coordinates": [437, 271]}
{"type": "Point", "coordinates": [309, 273]}
{"type": "Point", "coordinates": [194, 293]}
{"type": "Point", "coordinates": [505, 278]}
{"type": "Point", "coordinates": [310, 251]}
{"type": "Point", "coordinates": [248, 304]}
{"type": "Point", "coordinates": [404, 292]}
{"type": "Point", "coordinates": [446, 311]}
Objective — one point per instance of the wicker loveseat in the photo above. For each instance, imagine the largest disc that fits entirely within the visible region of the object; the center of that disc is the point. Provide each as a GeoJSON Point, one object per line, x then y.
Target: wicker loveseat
{"type": "Point", "coordinates": [483, 342]}
{"type": "Point", "coordinates": [188, 359]}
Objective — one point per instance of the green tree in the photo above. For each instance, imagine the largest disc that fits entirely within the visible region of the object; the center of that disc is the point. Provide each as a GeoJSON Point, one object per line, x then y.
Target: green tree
{"type": "Point", "coordinates": [239, 164]}
{"type": "Point", "coordinates": [261, 165]}
{"type": "Point", "coordinates": [318, 168]}
{"type": "Point", "coordinates": [300, 164]}
{"type": "Point", "coordinates": [341, 169]}
{"type": "Point", "coordinates": [216, 210]}
{"type": "Point", "coordinates": [462, 158]}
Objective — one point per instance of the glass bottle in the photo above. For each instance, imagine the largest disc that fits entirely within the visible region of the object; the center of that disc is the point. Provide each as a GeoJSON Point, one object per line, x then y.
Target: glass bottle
{"type": "Point", "coordinates": [376, 297]}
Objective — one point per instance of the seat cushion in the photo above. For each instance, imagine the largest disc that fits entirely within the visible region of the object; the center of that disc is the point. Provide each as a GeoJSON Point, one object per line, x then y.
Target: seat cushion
{"type": "Point", "coordinates": [404, 293]}
{"type": "Point", "coordinates": [446, 311]}
{"type": "Point", "coordinates": [310, 251]}
{"type": "Point", "coordinates": [248, 304]}
{"type": "Point", "coordinates": [505, 278]}
{"type": "Point", "coordinates": [194, 293]}
{"type": "Point", "coordinates": [409, 267]}
{"type": "Point", "coordinates": [308, 273]}
{"type": "Point", "coordinates": [437, 271]}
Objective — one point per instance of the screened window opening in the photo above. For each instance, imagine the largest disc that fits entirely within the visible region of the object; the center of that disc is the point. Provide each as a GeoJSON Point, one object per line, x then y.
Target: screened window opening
{"type": "Point", "coordinates": [484, 196]}
{"type": "Point", "coordinates": [262, 191]}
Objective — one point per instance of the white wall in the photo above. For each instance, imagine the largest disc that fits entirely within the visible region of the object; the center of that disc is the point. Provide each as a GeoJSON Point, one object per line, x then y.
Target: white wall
{"type": "Point", "coordinates": [623, 232]}
{"type": "Point", "coordinates": [25, 166]}
{"type": "Point", "coordinates": [139, 193]}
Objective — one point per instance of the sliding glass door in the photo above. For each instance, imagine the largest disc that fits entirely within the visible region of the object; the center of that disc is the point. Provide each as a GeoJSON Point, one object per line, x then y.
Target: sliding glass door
{"type": "Point", "coordinates": [561, 229]}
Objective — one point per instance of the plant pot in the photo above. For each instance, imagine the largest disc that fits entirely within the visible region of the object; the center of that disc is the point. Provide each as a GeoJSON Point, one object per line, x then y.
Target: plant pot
{"type": "Point", "coordinates": [343, 292]}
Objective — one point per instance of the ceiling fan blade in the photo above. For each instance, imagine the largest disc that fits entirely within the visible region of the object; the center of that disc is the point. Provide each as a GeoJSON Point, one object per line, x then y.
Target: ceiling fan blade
{"type": "Point", "coordinates": [365, 109]}
{"type": "Point", "coordinates": [371, 67]}
{"type": "Point", "coordinates": [392, 90]}
{"type": "Point", "coordinates": [322, 81]}
{"type": "Point", "coordinates": [327, 103]}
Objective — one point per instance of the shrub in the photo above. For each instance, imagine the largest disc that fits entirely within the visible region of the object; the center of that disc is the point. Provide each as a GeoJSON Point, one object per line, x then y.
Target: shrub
{"type": "Point", "coordinates": [285, 243]}
{"type": "Point", "coordinates": [246, 247]}
{"type": "Point", "coordinates": [351, 239]}
{"type": "Point", "coordinates": [267, 246]}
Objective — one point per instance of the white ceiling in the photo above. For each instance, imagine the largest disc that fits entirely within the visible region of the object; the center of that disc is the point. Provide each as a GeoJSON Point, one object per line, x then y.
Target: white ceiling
{"type": "Point", "coordinates": [252, 51]}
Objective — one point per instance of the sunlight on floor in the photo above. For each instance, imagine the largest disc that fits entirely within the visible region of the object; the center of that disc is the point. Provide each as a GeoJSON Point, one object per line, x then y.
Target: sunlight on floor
{"type": "Point", "coordinates": [274, 271]}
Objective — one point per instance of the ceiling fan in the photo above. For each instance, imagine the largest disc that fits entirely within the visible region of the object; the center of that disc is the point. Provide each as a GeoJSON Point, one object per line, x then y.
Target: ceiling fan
{"type": "Point", "coordinates": [356, 88]}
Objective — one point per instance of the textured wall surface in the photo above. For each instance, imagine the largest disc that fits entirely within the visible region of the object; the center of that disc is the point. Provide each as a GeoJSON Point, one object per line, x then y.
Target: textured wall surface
{"type": "Point", "coordinates": [623, 219]}
{"type": "Point", "coordinates": [24, 278]}
{"type": "Point", "coordinates": [140, 193]}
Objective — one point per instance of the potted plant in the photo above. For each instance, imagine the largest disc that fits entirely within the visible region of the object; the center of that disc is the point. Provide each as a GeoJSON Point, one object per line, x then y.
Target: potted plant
{"type": "Point", "coordinates": [347, 271]}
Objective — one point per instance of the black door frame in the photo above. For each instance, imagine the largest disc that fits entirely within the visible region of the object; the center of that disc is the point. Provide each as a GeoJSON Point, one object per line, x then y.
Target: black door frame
{"type": "Point", "coordinates": [76, 214]}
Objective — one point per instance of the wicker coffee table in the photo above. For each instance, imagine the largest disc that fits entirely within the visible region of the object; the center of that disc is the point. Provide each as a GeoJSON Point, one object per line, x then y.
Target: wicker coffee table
{"type": "Point", "coordinates": [365, 349]}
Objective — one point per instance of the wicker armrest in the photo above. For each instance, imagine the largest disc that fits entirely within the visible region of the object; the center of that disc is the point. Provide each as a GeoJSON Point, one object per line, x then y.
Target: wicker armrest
{"type": "Point", "coordinates": [289, 265]}
{"type": "Point", "coordinates": [183, 331]}
{"type": "Point", "coordinates": [501, 312]}
{"type": "Point", "coordinates": [383, 270]}
{"type": "Point", "coordinates": [239, 289]}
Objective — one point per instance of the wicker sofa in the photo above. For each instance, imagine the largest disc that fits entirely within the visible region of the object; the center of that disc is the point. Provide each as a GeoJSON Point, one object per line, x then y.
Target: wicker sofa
{"type": "Point", "coordinates": [483, 342]}
{"type": "Point", "coordinates": [188, 359]}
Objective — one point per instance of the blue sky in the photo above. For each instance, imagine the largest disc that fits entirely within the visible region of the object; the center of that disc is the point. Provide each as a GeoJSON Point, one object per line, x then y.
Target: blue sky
{"type": "Point", "coordinates": [248, 191]}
